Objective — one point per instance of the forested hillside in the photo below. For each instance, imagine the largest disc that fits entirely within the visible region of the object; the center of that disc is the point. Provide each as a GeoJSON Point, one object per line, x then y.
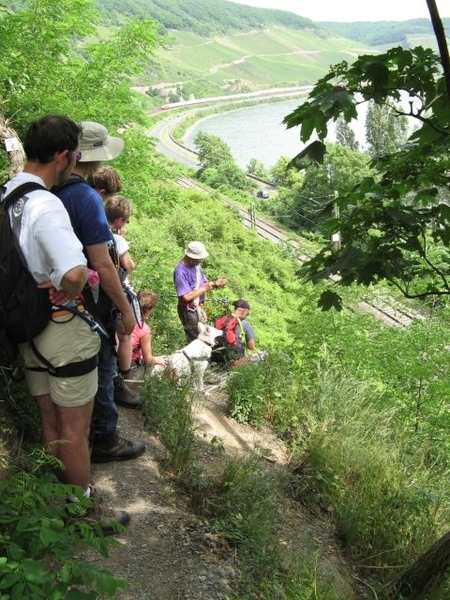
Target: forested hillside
{"type": "Point", "coordinates": [210, 18]}
{"type": "Point", "coordinates": [250, 48]}
{"type": "Point", "coordinates": [202, 17]}
{"type": "Point", "coordinates": [384, 32]}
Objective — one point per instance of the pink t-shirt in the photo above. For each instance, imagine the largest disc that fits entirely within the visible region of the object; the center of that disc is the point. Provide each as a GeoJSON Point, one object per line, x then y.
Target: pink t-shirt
{"type": "Point", "coordinates": [136, 336]}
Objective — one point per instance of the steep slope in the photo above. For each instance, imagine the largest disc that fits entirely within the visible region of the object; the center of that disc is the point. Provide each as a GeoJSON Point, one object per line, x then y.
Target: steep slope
{"type": "Point", "coordinates": [203, 17]}
{"type": "Point", "coordinates": [169, 553]}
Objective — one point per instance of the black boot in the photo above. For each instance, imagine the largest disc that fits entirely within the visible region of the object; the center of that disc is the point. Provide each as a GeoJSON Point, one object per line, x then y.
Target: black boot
{"type": "Point", "coordinates": [114, 447]}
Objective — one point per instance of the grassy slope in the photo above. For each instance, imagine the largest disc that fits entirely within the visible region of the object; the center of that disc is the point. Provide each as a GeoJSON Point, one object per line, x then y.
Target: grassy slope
{"type": "Point", "coordinates": [276, 56]}
{"type": "Point", "coordinates": [220, 47]}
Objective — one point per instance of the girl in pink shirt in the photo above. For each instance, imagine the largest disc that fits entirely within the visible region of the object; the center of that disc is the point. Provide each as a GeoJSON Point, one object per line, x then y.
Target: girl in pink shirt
{"type": "Point", "coordinates": [141, 339]}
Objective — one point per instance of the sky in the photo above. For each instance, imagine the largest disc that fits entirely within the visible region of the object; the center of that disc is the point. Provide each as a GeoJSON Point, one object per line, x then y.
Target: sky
{"type": "Point", "coordinates": [352, 10]}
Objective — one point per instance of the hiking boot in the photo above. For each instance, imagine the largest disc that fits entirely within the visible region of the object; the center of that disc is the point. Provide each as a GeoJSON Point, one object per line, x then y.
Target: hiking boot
{"type": "Point", "coordinates": [124, 395]}
{"type": "Point", "coordinates": [108, 519]}
{"type": "Point", "coordinates": [114, 447]}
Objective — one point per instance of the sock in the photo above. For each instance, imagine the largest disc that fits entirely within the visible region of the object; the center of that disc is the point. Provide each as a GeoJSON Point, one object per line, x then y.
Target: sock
{"type": "Point", "coordinates": [86, 493]}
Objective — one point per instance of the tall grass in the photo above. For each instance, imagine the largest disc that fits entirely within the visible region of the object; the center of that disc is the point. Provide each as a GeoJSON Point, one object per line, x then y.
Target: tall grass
{"type": "Point", "coordinates": [351, 458]}
{"type": "Point", "coordinates": [241, 501]}
{"type": "Point", "coordinates": [245, 506]}
{"type": "Point", "coordinates": [167, 410]}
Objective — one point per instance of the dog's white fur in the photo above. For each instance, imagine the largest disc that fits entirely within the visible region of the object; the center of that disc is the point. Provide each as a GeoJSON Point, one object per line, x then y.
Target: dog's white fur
{"type": "Point", "coordinates": [191, 361]}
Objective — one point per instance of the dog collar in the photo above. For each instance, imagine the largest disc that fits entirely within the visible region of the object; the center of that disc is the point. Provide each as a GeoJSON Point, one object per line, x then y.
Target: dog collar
{"type": "Point", "coordinates": [193, 358]}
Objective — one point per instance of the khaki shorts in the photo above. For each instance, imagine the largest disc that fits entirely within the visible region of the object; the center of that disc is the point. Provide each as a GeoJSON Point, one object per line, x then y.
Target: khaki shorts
{"type": "Point", "coordinates": [66, 339]}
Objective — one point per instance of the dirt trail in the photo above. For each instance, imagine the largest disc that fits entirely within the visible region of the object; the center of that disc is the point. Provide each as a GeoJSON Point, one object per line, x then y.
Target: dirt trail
{"type": "Point", "coordinates": [167, 553]}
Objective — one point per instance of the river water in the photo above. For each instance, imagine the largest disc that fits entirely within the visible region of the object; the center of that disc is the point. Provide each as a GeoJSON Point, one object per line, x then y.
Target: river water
{"type": "Point", "coordinates": [258, 132]}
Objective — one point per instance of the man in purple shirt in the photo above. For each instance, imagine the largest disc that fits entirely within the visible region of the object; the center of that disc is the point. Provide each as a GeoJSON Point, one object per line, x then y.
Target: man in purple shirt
{"type": "Point", "coordinates": [191, 285]}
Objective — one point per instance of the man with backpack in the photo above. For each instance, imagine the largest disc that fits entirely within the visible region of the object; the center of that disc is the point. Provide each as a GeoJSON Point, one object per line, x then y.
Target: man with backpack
{"type": "Point", "coordinates": [85, 207]}
{"type": "Point", "coordinates": [238, 337]}
{"type": "Point", "coordinates": [61, 361]}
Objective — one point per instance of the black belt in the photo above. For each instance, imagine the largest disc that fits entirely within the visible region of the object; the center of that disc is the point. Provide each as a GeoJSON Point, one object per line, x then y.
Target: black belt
{"type": "Point", "coordinates": [76, 369]}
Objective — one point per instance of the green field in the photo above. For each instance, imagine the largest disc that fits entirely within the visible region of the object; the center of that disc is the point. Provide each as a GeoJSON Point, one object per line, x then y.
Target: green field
{"type": "Point", "coordinates": [273, 57]}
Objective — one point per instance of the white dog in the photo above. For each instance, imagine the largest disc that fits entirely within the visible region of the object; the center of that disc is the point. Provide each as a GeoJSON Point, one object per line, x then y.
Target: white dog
{"type": "Point", "coordinates": [192, 360]}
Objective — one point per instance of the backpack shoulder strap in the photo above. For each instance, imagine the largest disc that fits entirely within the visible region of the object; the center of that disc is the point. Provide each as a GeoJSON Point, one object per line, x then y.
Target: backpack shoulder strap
{"type": "Point", "coordinates": [241, 330]}
{"type": "Point", "coordinates": [16, 220]}
{"type": "Point", "coordinates": [21, 190]}
{"type": "Point", "coordinates": [73, 178]}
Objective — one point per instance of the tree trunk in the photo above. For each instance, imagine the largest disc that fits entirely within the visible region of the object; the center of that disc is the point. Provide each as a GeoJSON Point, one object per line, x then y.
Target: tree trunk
{"type": "Point", "coordinates": [439, 33]}
{"type": "Point", "coordinates": [424, 575]}
{"type": "Point", "coordinates": [16, 156]}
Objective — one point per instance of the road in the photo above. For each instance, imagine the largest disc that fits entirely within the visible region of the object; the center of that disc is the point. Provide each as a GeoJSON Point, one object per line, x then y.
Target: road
{"type": "Point", "coordinates": [166, 145]}
{"type": "Point", "coordinates": [163, 129]}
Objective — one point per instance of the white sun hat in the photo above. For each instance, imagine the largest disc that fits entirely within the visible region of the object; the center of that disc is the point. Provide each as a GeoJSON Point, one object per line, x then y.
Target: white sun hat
{"type": "Point", "coordinates": [96, 144]}
{"type": "Point", "coordinates": [196, 250]}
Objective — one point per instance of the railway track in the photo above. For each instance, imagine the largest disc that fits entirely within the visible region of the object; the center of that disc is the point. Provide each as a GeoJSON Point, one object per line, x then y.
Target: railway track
{"type": "Point", "coordinates": [265, 228]}
{"type": "Point", "coordinates": [389, 315]}
{"type": "Point", "coordinates": [386, 310]}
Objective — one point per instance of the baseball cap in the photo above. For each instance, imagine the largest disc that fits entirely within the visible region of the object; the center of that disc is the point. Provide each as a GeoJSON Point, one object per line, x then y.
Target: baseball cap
{"type": "Point", "coordinates": [96, 144]}
{"type": "Point", "coordinates": [241, 303]}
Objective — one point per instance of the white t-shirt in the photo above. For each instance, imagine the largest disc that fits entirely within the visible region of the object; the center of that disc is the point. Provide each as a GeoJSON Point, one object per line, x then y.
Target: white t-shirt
{"type": "Point", "coordinates": [47, 240]}
{"type": "Point", "coordinates": [121, 244]}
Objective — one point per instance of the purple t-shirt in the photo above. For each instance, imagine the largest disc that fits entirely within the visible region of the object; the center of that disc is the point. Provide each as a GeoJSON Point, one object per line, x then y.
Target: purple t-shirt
{"type": "Point", "coordinates": [185, 279]}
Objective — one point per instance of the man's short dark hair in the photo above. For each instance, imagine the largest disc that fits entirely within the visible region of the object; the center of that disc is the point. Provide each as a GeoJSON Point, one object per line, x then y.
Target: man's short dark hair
{"type": "Point", "coordinates": [48, 136]}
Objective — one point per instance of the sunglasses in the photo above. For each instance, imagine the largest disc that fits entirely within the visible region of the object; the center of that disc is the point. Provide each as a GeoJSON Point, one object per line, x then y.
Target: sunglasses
{"type": "Point", "coordinates": [78, 156]}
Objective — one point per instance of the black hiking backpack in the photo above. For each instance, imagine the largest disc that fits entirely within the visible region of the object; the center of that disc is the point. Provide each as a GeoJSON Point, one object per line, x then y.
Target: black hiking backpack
{"type": "Point", "coordinates": [102, 308]}
{"type": "Point", "coordinates": [24, 308]}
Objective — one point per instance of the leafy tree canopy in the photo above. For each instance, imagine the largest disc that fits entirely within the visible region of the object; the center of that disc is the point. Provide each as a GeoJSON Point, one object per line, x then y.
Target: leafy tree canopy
{"type": "Point", "coordinates": [386, 232]}
{"type": "Point", "coordinates": [218, 168]}
{"type": "Point", "coordinates": [203, 17]}
{"type": "Point", "coordinates": [386, 129]}
{"type": "Point", "coordinates": [341, 171]}
{"type": "Point", "coordinates": [48, 66]}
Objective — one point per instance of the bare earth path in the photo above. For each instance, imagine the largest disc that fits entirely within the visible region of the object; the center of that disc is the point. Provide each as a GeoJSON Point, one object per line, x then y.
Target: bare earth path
{"type": "Point", "coordinates": [168, 553]}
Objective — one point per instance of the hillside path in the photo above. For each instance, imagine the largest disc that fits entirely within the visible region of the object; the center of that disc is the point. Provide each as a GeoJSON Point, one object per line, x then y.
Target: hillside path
{"type": "Point", "coordinates": [169, 553]}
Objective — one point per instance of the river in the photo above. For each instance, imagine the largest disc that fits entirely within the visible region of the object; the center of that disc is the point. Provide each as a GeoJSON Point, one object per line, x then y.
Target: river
{"type": "Point", "coordinates": [258, 132]}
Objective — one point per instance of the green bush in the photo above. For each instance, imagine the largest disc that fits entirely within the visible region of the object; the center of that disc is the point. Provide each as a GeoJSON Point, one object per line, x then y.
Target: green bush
{"type": "Point", "coordinates": [167, 410]}
{"type": "Point", "coordinates": [39, 537]}
{"type": "Point", "coordinates": [351, 459]}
